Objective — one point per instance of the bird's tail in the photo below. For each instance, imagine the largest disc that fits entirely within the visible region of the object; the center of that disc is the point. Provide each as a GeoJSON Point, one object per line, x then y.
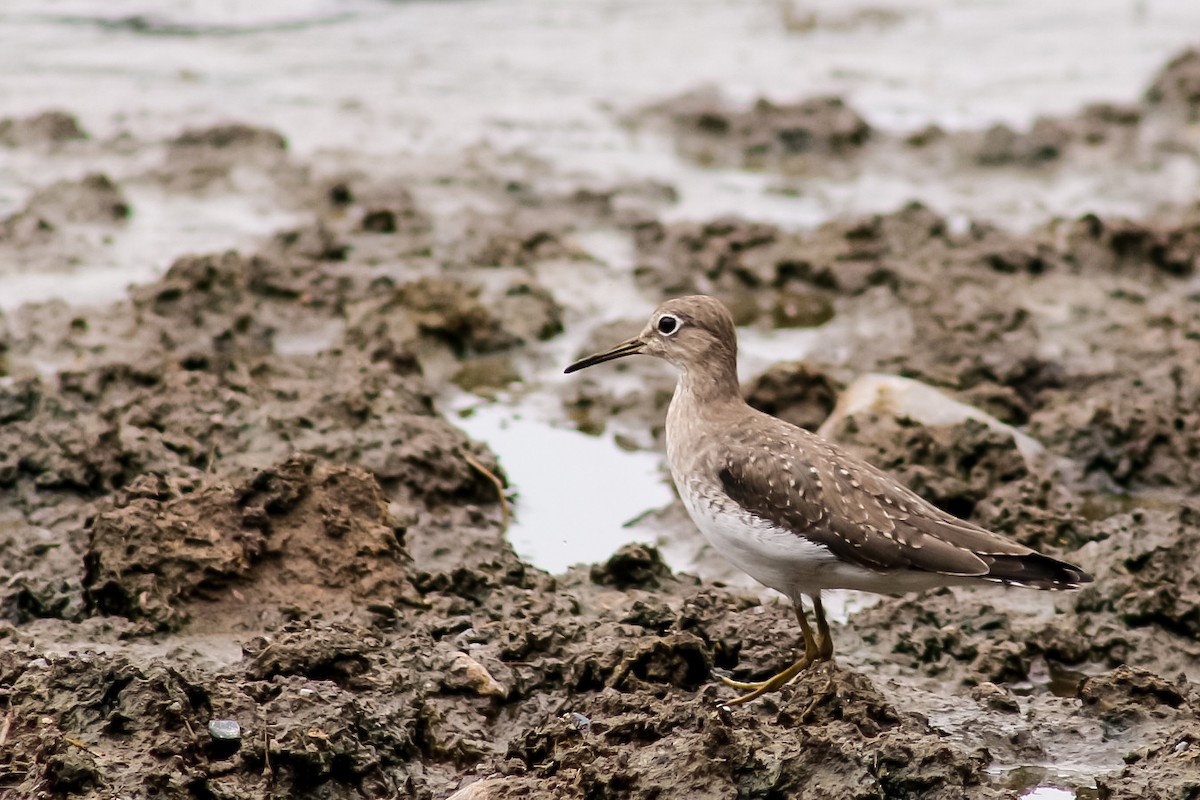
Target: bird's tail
{"type": "Point", "coordinates": [1036, 571]}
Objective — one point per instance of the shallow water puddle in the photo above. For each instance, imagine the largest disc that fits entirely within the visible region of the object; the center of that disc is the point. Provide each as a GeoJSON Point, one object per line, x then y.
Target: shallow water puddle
{"type": "Point", "coordinates": [1049, 793]}
{"type": "Point", "coordinates": [575, 493]}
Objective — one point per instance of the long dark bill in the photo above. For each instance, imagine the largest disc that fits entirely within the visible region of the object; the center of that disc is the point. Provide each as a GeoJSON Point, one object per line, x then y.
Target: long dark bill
{"type": "Point", "coordinates": [629, 348]}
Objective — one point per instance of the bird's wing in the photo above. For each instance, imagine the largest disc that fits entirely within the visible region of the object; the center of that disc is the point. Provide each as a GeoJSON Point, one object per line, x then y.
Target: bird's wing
{"type": "Point", "coordinates": [800, 482]}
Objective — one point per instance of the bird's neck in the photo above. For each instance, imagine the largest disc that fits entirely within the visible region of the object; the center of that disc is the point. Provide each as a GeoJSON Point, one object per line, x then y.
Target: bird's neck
{"type": "Point", "coordinates": [711, 387]}
{"type": "Point", "coordinates": [701, 396]}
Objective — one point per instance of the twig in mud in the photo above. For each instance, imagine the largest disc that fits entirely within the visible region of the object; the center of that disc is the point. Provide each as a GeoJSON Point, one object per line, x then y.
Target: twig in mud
{"type": "Point", "coordinates": [267, 772]}
{"type": "Point", "coordinates": [80, 744]}
{"type": "Point", "coordinates": [817, 697]}
{"type": "Point", "coordinates": [491, 476]}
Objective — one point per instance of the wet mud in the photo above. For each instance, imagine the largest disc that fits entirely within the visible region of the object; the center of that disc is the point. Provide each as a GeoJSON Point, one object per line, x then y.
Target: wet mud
{"type": "Point", "coordinates": [827, 135]}
{"type": "Point", "coordinates": [246, 553]}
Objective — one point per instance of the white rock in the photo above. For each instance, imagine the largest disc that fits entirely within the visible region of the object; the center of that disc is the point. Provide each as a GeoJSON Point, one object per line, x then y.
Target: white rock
{"type": "Point", "coordinates": [891, 395]}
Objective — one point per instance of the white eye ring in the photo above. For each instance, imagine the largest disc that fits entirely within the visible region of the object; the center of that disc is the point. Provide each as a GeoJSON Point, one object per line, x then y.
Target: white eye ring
{"type": "Point", "coordinates": [667, 324]}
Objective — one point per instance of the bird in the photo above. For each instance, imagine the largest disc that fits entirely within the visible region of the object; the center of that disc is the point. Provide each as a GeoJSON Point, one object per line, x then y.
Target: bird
{"type": "Point", "coordinates": [796, 512]}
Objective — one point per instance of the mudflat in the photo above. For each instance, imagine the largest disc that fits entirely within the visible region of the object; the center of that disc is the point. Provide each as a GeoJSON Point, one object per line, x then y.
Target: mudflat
{"type": "Point", "coordinates": [247, 553]}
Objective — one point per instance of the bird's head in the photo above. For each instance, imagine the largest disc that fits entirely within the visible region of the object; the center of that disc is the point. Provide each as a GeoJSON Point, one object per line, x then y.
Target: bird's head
{"type": "Point", "coordinates": [689, 332]}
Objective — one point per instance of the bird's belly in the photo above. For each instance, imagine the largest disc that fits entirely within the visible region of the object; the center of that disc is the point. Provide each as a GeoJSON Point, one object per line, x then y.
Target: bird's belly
{"type": "Point", "coordinates": [783, 560]}
{"type": "Point", "coordinates": [773, 556]}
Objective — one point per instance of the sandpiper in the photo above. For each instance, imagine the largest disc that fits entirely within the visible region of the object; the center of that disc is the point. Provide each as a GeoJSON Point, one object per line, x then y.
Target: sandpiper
{"type": "Point", "coordinates": [797, 513]}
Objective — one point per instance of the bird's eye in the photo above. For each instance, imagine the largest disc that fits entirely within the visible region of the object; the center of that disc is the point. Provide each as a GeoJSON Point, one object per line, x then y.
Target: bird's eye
{"type": "Point", "coordinates": [667, 324]}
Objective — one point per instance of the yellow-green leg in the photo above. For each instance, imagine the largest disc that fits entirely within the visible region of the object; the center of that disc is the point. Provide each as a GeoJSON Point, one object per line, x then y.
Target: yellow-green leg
{"type": "Point", "coordinates": [814, 650]}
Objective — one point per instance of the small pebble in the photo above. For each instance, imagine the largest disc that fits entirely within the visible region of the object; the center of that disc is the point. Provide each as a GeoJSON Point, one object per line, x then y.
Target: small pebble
{"type": "Point", "coordinates": [995, 697]}
{"type": "Point", "coordinates": [579, 722]}
{"type": "Point", "coordinates": [224, 729]}
{"type": "Point", "coordinates": [474, 676]}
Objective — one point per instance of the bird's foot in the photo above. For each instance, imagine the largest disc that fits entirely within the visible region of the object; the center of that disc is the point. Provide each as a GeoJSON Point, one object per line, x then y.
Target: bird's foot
{"type": "Point", "coordinates": [759, 688]}
{"type": "Point", "coordinates": [741, 685]}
